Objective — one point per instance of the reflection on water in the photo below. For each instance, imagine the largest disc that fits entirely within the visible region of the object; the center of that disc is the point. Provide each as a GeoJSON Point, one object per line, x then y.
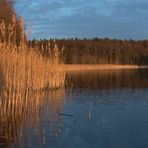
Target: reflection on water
{"type": "Point", "coordinates": [110, 79]}
{"type": "Point", "coordinates": [26, 114]}
{"type": "Point", "coordinates": [104, 109]}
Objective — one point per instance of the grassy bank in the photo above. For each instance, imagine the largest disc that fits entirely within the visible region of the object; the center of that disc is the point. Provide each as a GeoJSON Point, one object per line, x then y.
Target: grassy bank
{"type": "Point", "coordinates": [84, 67]}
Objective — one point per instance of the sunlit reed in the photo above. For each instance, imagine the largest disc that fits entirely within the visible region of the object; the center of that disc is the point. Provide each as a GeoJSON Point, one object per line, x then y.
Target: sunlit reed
{"type": "Point", "coordinates": [25, 68]}
{"type": "Point", "coordinates": [27, 83]}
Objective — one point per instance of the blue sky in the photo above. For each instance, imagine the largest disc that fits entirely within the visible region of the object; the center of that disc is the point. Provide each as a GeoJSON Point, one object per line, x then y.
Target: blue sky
{"type": "Point", "coordinates": [86, 18]}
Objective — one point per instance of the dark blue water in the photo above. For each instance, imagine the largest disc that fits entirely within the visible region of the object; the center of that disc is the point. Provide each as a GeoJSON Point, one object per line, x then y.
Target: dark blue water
{"type": "Point", "coordinates": [106, 109]}
{"type": "Point", "coordinates": [107, 119]}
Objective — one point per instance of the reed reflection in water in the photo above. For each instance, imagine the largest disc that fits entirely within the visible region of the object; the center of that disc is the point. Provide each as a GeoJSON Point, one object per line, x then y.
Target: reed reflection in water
{"type": "Point", "coordinates": [26, 114]}
{"type": "Point", "coordinates": [110, 79]}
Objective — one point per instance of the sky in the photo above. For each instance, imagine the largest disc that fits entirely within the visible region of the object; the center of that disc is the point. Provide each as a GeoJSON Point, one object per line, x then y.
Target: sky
{"type": "Point", "coordinates": [127, 19]}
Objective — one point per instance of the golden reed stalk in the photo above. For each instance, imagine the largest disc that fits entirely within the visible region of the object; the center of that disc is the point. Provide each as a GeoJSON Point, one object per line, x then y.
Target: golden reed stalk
{"type": "Point", "coordinates": [25, 68]}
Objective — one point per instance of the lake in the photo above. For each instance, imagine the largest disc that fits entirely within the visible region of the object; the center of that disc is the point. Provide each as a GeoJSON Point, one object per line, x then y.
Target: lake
{"type": "Point", "coordinates": [96, 109]}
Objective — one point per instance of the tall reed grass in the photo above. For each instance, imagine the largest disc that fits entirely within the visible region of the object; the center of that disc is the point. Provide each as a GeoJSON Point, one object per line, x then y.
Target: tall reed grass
{"type": "Point", "coordinates": [23, 67]}
{"type": "Point", "coordinates": [25, 75]}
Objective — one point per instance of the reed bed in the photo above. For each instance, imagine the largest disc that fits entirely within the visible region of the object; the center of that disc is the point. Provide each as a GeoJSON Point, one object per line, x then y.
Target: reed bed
{"type": "Point", "coordinates": [27, 83]}
{"type": "Point", "coordinates": [23, 67]}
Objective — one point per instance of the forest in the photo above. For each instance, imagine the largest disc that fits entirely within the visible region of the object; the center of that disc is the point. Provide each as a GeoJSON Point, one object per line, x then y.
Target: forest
{"type": "Point", "coordinates": [98, 51]}
{"type": "Point", "coordinates": [81, 51]}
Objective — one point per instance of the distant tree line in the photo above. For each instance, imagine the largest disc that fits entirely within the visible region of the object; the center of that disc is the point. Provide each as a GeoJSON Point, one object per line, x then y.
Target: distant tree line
{"type": "Point", "coordinates": [98, 51]}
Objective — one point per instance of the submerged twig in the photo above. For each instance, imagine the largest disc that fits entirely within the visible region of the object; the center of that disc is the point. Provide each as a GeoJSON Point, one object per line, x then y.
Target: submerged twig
{"type": "Point", "coordinates": [62, 114]}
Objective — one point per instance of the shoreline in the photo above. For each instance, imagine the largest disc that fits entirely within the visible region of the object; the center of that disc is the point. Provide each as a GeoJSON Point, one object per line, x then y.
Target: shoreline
{"type": "Point", "coordinates": [88, 67]}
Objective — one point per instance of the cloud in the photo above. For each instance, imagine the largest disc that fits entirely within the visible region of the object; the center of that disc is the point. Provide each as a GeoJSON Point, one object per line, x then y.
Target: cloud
{"type": "Point", "coordinates": [82, 18]}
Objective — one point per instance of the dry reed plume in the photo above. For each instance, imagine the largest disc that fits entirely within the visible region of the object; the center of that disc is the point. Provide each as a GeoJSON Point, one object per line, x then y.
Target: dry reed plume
{"type": "Point", "coordinates": [25, 68]}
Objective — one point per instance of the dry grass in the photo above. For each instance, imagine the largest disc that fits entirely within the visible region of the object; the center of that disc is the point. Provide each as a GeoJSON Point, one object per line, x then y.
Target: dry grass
{"type": "Point", "coordinates": [24, 75]}
{"type": "Point", "coordinates": [25, 68]}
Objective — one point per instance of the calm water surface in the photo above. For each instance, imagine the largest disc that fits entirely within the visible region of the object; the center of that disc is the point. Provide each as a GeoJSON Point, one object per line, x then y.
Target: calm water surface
{"type": "Point", "coordinates": [101, 109]}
